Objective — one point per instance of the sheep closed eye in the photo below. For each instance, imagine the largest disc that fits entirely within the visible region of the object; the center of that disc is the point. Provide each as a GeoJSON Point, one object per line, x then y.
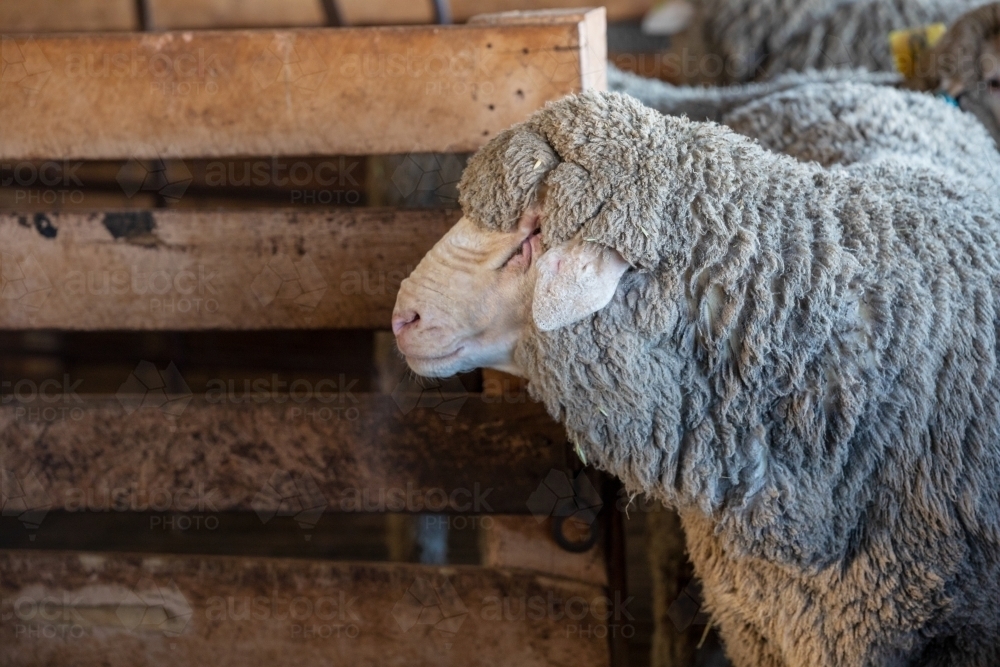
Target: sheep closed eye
{"type": "Point", "coordinates": [522, 256]}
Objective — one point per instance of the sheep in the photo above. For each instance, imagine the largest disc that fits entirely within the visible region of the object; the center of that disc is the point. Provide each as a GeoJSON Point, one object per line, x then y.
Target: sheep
{"type": "Point", "coordinates": [714, 102]}
{"type": "Point", "coordinates": [964, 65]}
{"type": "Point", "coordinates": [802, 360]}
{"type": "Point", "coordinates": [764, 111]}
{"type": "Point", "coordinates": [758, 39]}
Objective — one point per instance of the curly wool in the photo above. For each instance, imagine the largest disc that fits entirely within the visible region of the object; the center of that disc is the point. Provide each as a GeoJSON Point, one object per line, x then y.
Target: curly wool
{"type": "Point", "coordinates": [759, 39]}
{"type": "Point", "coordinates": [714, 102]}
{"type": "Point", "coordinates": [803, 362]}
{"type": "Point", "coordinates": [736, 106]}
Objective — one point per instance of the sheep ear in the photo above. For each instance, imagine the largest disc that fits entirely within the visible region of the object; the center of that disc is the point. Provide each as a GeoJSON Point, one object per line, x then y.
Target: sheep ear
{"type": "Point", "coordinates": [575, 280]}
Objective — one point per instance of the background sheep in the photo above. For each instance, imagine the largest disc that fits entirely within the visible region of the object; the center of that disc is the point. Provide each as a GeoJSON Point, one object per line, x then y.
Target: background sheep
{"type": "Point", "coordinates": [758, 39]}
{"type": "Point", "coordinates": [801, 359]}
{"type": "Point", "coordinates": [964, 64]}
{"type": "Point", "coordinates": [783, 120]}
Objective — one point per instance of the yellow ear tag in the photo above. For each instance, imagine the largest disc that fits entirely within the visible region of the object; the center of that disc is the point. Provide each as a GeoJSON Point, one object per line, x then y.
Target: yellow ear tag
{"type": "Point", "coordinates": [908, 45]}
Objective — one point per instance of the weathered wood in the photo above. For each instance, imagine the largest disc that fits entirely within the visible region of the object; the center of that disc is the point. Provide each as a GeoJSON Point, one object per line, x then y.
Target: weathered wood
{"type": "Point", "coordinates": [526, 542]}
{"type": "Point", "coordinates": [592, 63]}
{"type": "Point", "coordinates": [20, 16]}
{"type": "Point", "coordinates": [155, 446]}
{"type": "Point", "coordinates": [128, 610]}
{"type": "Point", "coordinates": [357, 91]}
{"type": "Point", "coordinates": [679, 623]}
{"type": "Point", "coordinates": [209, 270]}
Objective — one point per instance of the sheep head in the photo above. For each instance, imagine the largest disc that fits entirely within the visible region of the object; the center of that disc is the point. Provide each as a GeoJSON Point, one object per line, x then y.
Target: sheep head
{"type": "Point", "coordinates": [517, 261]}
{"type": "Point", "coordinates": [965, 64]}
{"type": "Point", "coordinates": [475, 293]}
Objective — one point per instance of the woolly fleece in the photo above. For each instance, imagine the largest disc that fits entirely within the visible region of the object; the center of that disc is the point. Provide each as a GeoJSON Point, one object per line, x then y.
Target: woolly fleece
{"type": "Point", "coordinates": [802, 361]}
{"type": "Point", "coordinates": [717, 103]}
{"type": "Point", "coordinates": [759, 39]}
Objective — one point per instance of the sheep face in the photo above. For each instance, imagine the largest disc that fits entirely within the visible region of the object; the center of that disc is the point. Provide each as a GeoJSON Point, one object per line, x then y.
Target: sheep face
{"type": "Point", "coordinates": [478, 291]}
{"type": "Point", "coordinates": [468, 299]}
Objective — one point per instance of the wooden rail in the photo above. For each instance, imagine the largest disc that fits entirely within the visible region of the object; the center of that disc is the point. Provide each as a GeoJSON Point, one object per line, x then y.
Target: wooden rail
{"type": "Point", "coordinates": [112, 610]}
{"type": "Point", "coordinates": [207, 270]}
{"type": "Point", "coordinates": [259, 448]}
{"type": "Point", "coordinates": [339, 450]}
{"type": "Point", "coordinates": [358, 91]}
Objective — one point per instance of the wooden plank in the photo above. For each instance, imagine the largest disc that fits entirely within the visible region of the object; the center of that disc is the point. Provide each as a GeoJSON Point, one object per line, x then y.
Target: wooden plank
{"type": "Point", "coordinates": [187, 270]}
{"type": "Point", "coordinates": [358, 91]}
{"type": "Point", "coordinates": [592, 26]}
{"type": "Point", "coordinates": [526, 542]}
{"type": "Point", "coordinates": [186, 14]}
{"type": "Point", "coordinates": [21, 16]}
{"type": "Point", "coordinates": [130, 610]}
{"type": "Point", "coordinates": [340, 450]}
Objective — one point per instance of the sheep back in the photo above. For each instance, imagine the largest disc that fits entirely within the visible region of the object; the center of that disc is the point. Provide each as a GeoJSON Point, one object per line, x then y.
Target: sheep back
{"type": "Point", "coordinates": [803, 362]}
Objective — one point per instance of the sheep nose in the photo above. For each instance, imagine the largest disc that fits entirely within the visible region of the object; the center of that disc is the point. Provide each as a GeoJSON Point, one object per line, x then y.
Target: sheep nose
{"type": "Point", "coordinates": [403, 319]}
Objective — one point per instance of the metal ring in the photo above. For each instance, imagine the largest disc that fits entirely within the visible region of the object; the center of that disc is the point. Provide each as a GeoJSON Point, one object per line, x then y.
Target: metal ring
{"type": "Point", "coordinates": [573, 547]}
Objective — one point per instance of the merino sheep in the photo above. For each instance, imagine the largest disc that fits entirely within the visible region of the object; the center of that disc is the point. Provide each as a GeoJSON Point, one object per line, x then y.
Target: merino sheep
{"type": "Point", "coordinates": [964, 64]}
{"type": "Point", "coordinates": [801, 359]}
{"type": "Point", "coordinates": [735, 105]}
{"type": "Point", "coordinates": [758, 39]}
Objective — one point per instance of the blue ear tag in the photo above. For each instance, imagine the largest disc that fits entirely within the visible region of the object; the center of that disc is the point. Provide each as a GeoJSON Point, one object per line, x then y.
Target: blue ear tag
{"type": "Point", "coordinates": [941, 95]}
